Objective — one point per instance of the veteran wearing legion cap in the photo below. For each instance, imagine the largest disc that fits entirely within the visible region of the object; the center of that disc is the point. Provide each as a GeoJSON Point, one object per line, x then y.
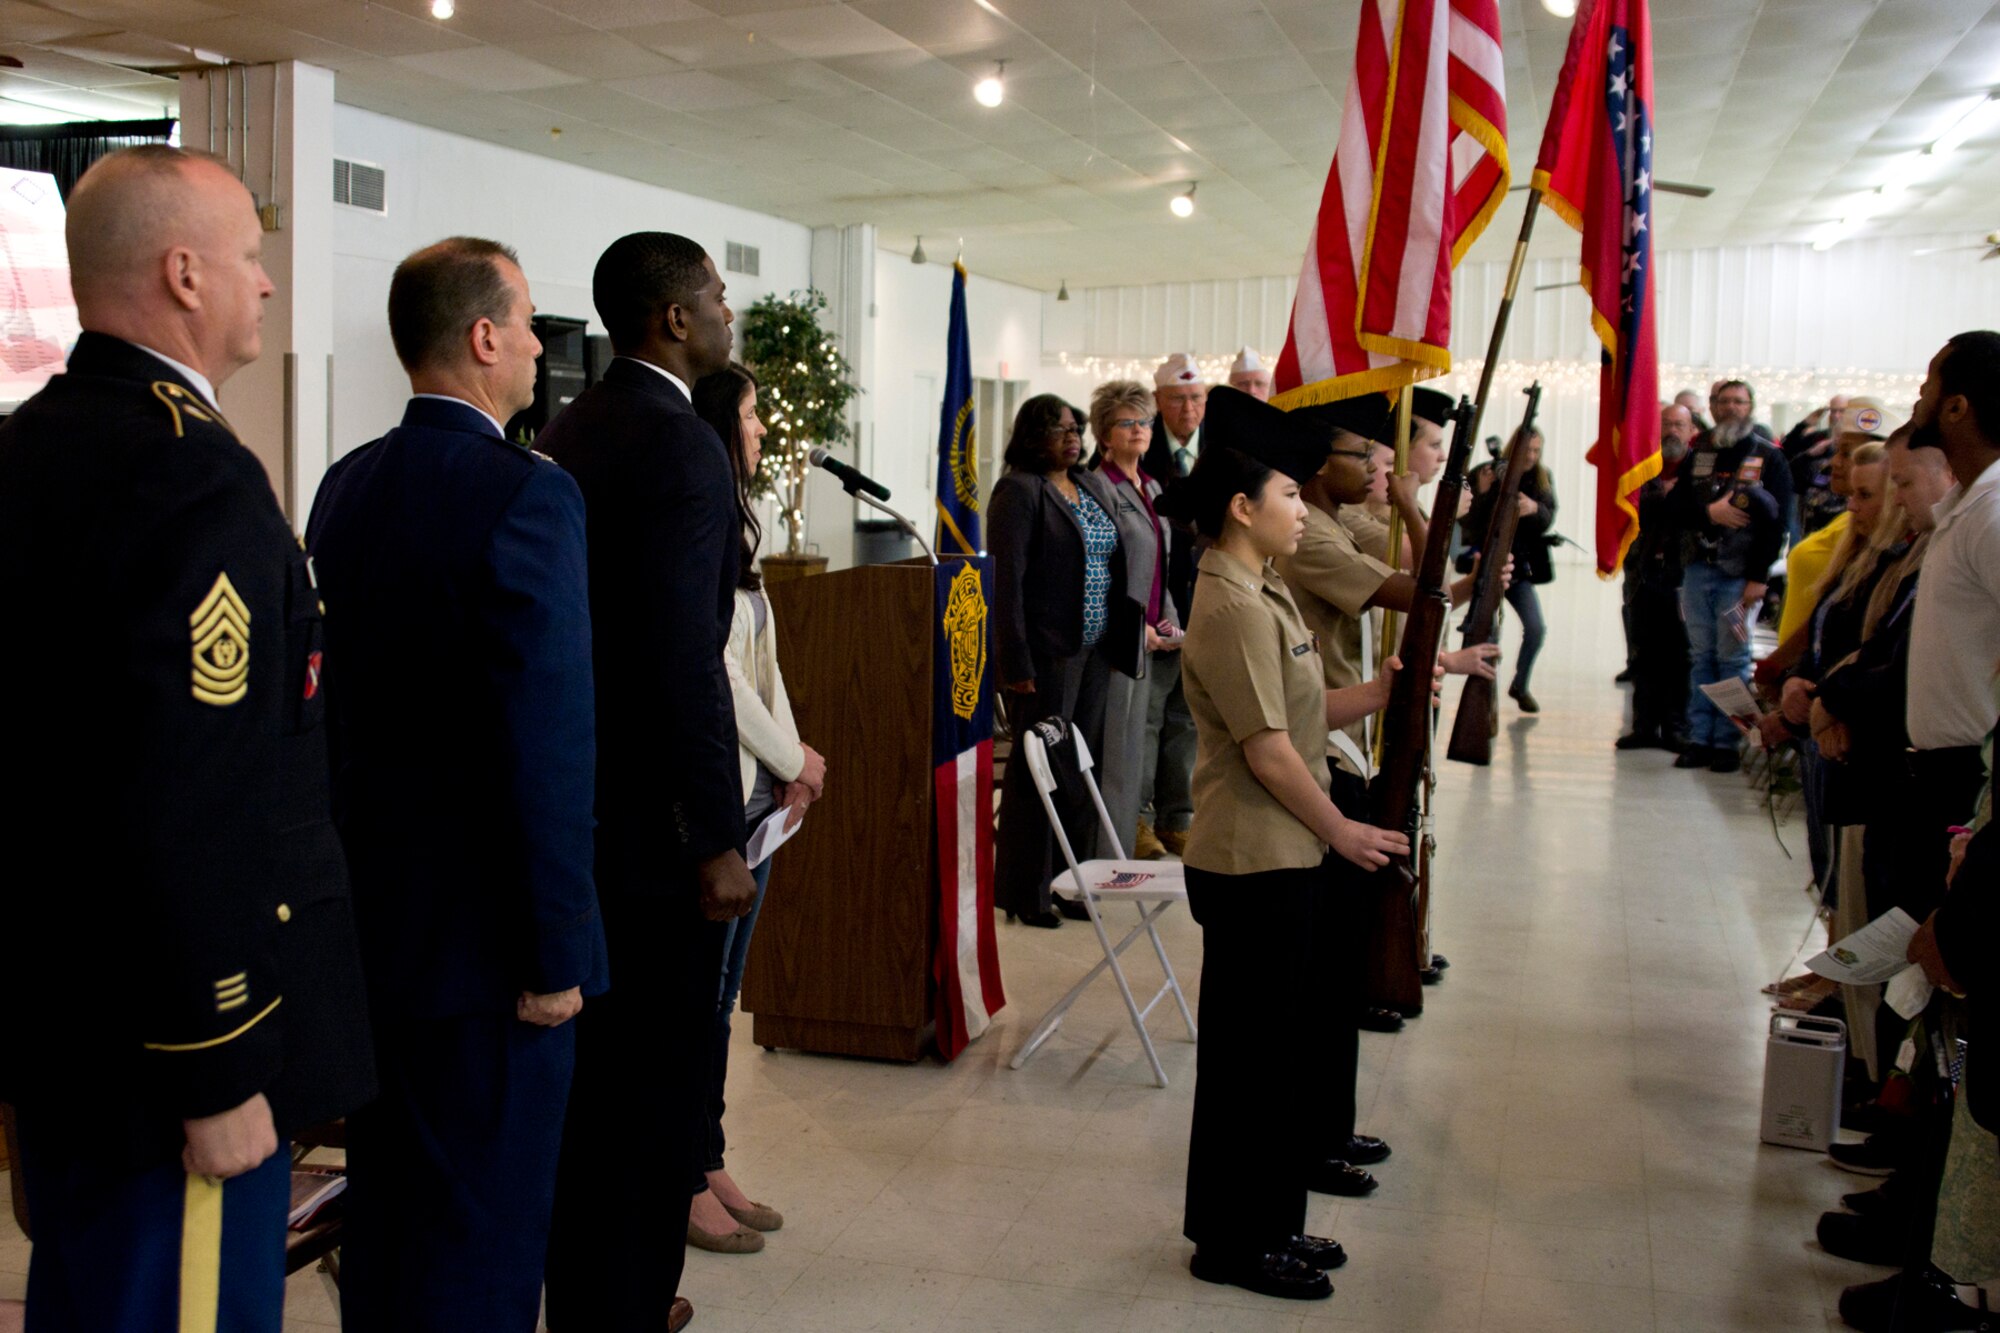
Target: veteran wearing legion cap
{"type": "Point", "coordinates": [1249, 373]}
{"type": "Point", "coordinates": [1258, 854]}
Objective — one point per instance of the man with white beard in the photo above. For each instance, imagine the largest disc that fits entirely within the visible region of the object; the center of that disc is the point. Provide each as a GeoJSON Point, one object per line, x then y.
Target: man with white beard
{"type": "Point", "coordinates": [1730, 505]}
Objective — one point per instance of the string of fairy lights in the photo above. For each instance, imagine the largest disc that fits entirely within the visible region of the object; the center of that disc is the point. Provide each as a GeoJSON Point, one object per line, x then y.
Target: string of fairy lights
{"type": "Point", "coordinates": [1773, 384]}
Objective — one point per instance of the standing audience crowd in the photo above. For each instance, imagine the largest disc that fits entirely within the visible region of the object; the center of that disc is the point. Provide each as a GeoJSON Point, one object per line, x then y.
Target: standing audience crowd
{"type": "Point", "coordinates": [1885, 683]}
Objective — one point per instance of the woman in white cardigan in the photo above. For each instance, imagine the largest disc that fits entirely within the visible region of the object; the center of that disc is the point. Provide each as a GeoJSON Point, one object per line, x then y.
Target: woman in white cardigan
{"type": "Point", "coordinates": [779, 772]}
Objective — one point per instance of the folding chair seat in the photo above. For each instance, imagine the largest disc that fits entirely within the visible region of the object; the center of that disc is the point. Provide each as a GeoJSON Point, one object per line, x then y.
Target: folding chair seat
{"type": "Point", "coordinates": [1153, 887]}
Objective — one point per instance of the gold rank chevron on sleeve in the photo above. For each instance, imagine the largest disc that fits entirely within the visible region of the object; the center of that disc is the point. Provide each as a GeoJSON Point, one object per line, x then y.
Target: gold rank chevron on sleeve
{"type": "Point", "coordinates": [220, 627]}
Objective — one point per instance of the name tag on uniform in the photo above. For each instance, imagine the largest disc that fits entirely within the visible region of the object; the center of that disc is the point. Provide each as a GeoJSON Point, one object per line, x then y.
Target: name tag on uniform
{"type": "Point", "coordinates": [1302, 649]}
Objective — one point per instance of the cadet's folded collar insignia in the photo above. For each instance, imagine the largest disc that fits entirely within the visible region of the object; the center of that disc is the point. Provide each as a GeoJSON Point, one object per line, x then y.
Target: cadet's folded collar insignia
{"type": "Point", "coordinates": [182, 401]}
{"type": "Point", "coordinates": [232, 992]}
{"type": "Point", "coordinates": [220, 628]}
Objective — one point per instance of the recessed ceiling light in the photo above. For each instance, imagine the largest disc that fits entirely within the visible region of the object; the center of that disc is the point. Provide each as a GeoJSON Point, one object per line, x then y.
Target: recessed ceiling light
{"type": "Point", "coordinates": [1562, 9]}
{"type": "Point", "coordinates": [443, 9]}
{"type": "Point", "coordinates": [1183, 204]}
{"type": "Point", "coordinates": [992, 90]}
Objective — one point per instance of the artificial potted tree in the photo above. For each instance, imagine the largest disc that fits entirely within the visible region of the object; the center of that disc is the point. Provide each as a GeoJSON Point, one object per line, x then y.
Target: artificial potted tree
{"type": "Point", "coordinates": [803, 391]}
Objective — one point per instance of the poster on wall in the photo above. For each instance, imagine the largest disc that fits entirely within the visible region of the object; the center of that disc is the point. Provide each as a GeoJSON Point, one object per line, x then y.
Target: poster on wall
{"type": "Point", "coordinates": [37, 311]}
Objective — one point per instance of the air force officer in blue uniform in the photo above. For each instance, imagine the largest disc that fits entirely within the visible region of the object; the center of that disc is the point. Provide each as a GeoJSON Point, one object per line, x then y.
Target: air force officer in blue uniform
{"type": "Point", "coordinates": [453, 566]}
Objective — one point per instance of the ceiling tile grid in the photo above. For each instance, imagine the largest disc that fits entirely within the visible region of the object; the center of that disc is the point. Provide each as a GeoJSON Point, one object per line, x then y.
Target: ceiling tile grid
{"type": "Point", "coordinates": [839, 111]}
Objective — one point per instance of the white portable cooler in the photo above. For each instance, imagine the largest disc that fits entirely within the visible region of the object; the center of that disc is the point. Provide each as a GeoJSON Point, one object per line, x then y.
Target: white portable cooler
{"type": "Point", "coordinates": [1804, 1063]}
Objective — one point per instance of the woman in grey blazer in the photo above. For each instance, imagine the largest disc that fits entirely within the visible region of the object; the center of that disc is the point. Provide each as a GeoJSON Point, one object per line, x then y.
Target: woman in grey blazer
{"type": "Point", "coordinates": [1121, 421]}
{"type": "Point", "coordinates": [1062, 624]}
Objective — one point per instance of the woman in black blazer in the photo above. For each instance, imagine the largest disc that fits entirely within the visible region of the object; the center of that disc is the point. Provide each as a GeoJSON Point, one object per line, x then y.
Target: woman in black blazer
{"type": "Point", "coordinates": [1061, 622]}
{"type": "Point", "coordinates": [1532, 566]}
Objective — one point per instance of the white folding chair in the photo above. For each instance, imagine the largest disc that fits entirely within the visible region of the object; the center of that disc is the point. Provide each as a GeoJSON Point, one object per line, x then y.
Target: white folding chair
{"type": "Point", "coordinates": [1151, 886]}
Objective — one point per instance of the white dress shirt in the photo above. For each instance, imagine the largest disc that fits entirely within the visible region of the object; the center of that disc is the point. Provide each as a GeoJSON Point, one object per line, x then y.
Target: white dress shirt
{"type": "Point", "coordinates": [672, 378]}
{"type": "Point", "coordinates": [498, 429]}
{"type": "Point", "coordinates": [1955, 627]}
{"type": "Point", "coordinates": [188, 373]}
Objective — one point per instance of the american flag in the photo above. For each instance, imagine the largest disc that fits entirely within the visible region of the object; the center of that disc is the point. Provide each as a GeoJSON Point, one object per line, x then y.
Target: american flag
{"type": "Point", "coordinates": [1420, 168]}
{"type": "Point", "coordinates": [1596, 172]}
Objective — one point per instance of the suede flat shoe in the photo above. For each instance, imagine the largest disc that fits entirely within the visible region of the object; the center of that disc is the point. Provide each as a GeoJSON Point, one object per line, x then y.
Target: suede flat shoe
{"type": "Point", "coordinates": [757, 1217]}
{"type": "Point", "coordinates": [1274, 1274]}
{"type": "Point", "coordinates": [1323, 1254]}
{"type": "Point", "coordinates": [740, 1241]}
{"type": "Point", "coordinates": [1337, 1177]}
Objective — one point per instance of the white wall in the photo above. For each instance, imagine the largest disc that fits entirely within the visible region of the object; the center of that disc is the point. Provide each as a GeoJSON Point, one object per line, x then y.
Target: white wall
{"type": "Point", "coordinates": [558, 216]}
{"type": "Point", "coordinates": [1798, 324]}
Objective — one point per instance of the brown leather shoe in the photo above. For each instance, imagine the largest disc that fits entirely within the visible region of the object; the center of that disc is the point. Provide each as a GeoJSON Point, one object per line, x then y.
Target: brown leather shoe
{"type": "Point", "coordinates": [757, 1217]}
{"type": "Point", "coordinates": [740, 1241]}
{"type": "Point", "coordinates": [1147, 846]}
{"type": "Point", "coordinates": [680, 1314]}
{"type": "Point", "coordinates": [1174, 840]}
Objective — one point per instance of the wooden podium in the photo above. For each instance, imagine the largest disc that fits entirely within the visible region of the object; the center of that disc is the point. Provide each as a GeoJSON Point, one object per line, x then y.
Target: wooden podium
{"type": "Point", "coordinates": [841, 962]}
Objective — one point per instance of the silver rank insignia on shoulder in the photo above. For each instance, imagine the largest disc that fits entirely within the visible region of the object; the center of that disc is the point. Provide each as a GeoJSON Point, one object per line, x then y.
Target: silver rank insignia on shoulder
{"type": "Point", "coordinates": [220, 628]}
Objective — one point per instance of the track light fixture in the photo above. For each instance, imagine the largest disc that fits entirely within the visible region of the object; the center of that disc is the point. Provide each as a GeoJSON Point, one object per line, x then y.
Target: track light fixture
{"type": "Point", "coordinates": [1062, 290]}
{"type": "Point", "coordinates": [917, 256]}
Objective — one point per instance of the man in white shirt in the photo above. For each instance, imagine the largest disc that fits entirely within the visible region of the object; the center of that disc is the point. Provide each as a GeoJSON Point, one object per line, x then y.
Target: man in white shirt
{"type": "Point", "coordinates": [1167, 761]}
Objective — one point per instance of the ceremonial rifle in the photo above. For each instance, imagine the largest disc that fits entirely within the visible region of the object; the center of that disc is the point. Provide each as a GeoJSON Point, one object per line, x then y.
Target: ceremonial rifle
{"type": "Point", "coordinates": [1472, 730]}
{"type": "Point", "coordinates": [1395, 797]}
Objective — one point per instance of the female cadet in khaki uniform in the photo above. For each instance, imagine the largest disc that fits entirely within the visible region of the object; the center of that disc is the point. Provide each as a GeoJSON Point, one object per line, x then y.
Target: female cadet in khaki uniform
{"type": "Point", "coordinates": [1257, 856]}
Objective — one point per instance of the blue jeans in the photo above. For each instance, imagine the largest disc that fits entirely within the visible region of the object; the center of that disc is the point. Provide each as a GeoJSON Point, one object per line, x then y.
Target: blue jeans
{"type": "Point", "coordinates": [735, 950]}
{"type": "Point", "coordinates": [1714, 653]}
{"type": "Point", "coordinates": [1527, 604]}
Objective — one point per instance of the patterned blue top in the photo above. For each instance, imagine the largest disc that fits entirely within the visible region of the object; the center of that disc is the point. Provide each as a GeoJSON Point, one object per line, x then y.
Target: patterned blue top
{"type": "Point", "coordinates": [1100, 539]}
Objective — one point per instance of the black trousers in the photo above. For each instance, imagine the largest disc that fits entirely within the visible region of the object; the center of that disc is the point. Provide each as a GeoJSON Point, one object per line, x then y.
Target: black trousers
{"type": "Point", "coordinates": [1248, 1144]}
{"type": "Point", "coordinates": [1025, 857]}
{"type": "Point", "coordinates": [452, 1175]}
{"type": "Point", "coordinates": [633, 1142]}
{"type": "Point", "coordinates": [1659, 662]}
{"type": "Point", "coordinates": [1343, 931]}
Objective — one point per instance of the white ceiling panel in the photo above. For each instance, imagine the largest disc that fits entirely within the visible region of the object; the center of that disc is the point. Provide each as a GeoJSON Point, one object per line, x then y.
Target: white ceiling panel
{"type": "Point", "coordinates": [834, 111]}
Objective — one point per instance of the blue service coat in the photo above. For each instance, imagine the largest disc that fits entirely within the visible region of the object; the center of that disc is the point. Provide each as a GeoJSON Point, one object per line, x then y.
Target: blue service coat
{"type": "Point", "coordinates": [462, 716]}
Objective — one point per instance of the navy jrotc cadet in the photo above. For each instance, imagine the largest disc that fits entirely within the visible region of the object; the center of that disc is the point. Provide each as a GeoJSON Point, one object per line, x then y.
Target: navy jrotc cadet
{"type": "Point", "coordinates": [181, 978]}
{"type": "Point", "coordinates": [464, 746]}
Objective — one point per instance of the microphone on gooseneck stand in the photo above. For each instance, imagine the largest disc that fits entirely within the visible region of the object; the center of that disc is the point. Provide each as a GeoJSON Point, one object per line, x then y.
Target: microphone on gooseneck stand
{"type": "Point", "coordinates": [851, 480]}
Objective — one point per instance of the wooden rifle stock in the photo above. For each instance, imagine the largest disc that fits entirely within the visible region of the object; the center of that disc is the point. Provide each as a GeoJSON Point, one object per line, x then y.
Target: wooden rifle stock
{"type": "Point", "coordinates": [1472, 729]}
{"type": "Point", "coordinates": [1406, 722]}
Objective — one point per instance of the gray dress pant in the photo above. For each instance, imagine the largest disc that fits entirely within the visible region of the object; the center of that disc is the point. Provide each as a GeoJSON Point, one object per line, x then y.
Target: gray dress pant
{"type": "Point", "coordinates": [1166, 764]}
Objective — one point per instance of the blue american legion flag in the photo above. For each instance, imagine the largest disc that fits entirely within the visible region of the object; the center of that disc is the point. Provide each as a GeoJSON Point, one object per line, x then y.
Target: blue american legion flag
{"type": "Point", "coordinates": [958, 448]}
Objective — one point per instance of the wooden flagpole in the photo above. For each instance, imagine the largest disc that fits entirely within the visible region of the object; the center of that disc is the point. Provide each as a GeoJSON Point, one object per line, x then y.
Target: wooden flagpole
{"type": "Point", "coordinates": [1506, 310]}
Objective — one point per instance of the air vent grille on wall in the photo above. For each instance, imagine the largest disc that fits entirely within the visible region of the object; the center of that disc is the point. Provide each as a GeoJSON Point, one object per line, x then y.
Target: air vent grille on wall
{"type": "Point", "coordinates": [360, 185]}
{"type": "Point", "coordinates": [740, 258]}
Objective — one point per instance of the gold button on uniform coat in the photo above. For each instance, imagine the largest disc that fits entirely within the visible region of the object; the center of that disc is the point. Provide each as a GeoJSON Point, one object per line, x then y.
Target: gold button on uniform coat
{"type": "Point", "coordinates": [1249, 665]}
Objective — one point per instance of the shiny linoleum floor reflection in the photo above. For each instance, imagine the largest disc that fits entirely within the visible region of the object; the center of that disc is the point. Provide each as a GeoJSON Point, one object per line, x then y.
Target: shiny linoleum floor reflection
{"type": "Point", "coordinates": [1574, 1117]}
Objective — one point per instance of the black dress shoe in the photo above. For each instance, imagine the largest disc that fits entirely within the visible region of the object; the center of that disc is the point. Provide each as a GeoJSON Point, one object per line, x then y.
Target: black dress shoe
{"type": "Point", "coordinates": [1865, 1240]}
{"type": "Point", "coordinates": [1439, 962]}
{"type": "Point", "coordinates": [1883, 1200]}
{"type": "Point", "coordinates": [1337, 1177]}
{"type": "Point", "coordinates": [1526, 701]}
{"type": "Point", "coordinates": [1876, 1155]}
{"type": "Point", "coordinates": [1724, 759]}
{"type": "Point", "coordinates": [1692, 756]}
{"type": "Point", "coordinates": [1075, 911]}
{"type": "Point", "coordinates": [1323, 1254]}
{"type": "Point", "coordinates": [1045, 920]}
{"type": "Point", "coordinates": [1673, 741]}
{"type": "Point", "coordinates": [1638, 740]}
{"type": "Point", "coordinates": [1914, 1301]}
{"type": "Point", "coordinates": [1380, 1020]}
{"type": "Point", "coordinates": [1623, 678]}
{"type": "Point", "coordinates": [1275, 1274]}
{"type": "Point", "coordinates": [1362, 1150]}
{"type": "Point", "coordinates": [1429, 976]}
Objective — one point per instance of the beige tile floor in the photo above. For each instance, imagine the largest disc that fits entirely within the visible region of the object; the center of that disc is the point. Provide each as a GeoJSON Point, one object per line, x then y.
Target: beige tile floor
{"type": "Point", "coordinates": [1574, 1117]}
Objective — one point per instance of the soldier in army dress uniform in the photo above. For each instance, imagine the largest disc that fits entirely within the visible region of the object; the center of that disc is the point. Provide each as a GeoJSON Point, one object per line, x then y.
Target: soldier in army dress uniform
{"type": "Point", "coordinates": [182, 983]}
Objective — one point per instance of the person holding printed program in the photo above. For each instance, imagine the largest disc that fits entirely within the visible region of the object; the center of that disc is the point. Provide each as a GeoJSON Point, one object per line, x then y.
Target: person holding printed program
{"type": "Point", "coordinates": [778, 773]}
{"type": "Point", "coordinates": [1258, 860]}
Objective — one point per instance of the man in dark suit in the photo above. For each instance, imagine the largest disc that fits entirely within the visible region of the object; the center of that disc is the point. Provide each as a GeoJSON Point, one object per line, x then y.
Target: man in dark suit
{"type": "Point", "coordinates": [181, 979]}
{"type": "Point", "coordinates": [664, 537]}
{"type": "Point", "coordinates": [1167, 758]}
{"type": "Point", "coordinates": [458, 680]}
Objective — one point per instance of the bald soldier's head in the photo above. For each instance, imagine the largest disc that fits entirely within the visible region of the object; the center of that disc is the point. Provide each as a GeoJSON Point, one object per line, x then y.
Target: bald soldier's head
{"type": "Point", "coordinates": [165, 250]}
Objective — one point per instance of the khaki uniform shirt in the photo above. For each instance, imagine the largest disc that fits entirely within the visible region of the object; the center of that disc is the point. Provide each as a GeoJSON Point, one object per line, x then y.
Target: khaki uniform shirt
{"type": "Point", "coordinates": [1370, 533]}
{"type": "Point", "coordinates": [1332, 579]}
{"type": "Point", "coordinates": [1250, 665]}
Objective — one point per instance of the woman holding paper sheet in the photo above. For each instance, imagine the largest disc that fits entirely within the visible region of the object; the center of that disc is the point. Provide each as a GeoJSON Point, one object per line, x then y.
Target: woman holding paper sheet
{"type": "Point", "coordinates": [779, 774]}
